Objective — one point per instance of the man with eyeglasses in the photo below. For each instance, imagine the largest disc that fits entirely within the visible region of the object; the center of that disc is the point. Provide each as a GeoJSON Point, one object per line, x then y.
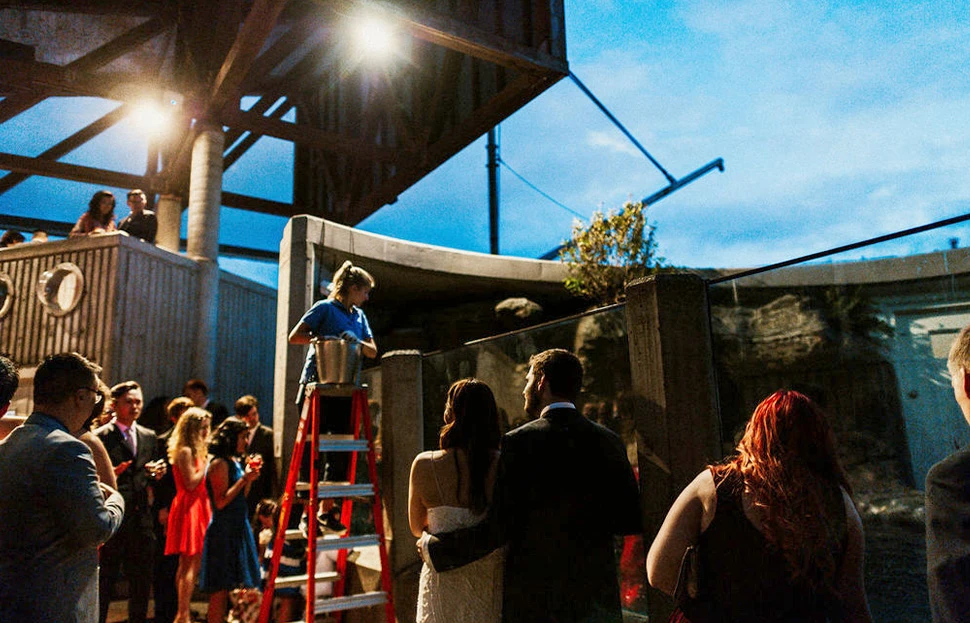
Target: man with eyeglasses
{"type": "Point", "coordinates": [53, 510]}
{"type": "Point", "coordinates": [131, 448]}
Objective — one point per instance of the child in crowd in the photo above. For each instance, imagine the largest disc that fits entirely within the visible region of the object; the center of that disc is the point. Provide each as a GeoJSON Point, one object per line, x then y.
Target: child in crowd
{"type": "Point", "coordinates": [292, 558]}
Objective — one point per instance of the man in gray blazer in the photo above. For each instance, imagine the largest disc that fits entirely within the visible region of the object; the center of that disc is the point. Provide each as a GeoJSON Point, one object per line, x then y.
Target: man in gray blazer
{"type": "Point", "coordinates": [53, 511]}
{"type": "Point", "coordinates": [564, 489]}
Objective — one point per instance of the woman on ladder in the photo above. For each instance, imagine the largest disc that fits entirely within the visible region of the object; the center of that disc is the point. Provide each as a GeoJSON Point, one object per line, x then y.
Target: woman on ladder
{"type": "Point", "coordinates": [340, 315]}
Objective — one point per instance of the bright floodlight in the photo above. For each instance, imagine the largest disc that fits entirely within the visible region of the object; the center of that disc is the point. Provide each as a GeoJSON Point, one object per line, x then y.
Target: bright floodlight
{"type": "Point", "coordinates": [152, 118]}
{"type": "Point", "coordinates": [374, 38]}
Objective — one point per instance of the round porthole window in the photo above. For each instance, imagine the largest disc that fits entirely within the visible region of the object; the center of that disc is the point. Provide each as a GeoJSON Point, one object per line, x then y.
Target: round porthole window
{"type": "Point", "coordinates": [60, 289]}
{"type": "Point", "coordinates": [6, 294]}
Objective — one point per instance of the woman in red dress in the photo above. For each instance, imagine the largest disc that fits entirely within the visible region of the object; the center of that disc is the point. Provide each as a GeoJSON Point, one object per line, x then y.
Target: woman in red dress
{"type": "Point", "coordinates": [190, 513]}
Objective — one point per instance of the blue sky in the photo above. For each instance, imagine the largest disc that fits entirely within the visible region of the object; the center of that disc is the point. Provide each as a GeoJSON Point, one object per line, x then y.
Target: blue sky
{"type": "Point", "coordinates": [837, 121]}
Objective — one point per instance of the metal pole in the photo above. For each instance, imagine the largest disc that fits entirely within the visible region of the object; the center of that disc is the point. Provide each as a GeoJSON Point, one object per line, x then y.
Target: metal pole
{"type": "Point", "coordinates": [492, 167]}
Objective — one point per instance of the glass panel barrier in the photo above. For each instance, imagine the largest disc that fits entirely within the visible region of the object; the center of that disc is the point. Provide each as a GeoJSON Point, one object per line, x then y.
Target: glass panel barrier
{"type": "Point", "coordinates": [866, 335]}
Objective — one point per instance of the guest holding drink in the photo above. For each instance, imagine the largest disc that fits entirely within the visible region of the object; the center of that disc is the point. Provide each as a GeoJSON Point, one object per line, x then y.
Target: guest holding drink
{"type": "Point", "coordinates": [229, 557]}
{"type": "Point", "coordinates": [190, 513]}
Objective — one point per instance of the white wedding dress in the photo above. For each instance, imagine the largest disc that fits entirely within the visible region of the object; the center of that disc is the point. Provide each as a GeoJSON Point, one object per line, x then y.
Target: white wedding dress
{"type": "Point", "coordinates": [469, 594]}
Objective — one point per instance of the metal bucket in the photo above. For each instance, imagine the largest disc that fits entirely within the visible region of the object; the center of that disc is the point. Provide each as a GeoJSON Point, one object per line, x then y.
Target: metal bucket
{"type": "Point", "coordinates": [338, 361]}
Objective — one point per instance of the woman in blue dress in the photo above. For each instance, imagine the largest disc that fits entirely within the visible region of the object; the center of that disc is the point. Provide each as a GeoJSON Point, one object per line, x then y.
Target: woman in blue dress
{"type": "Point", "coordinates": [229, 558]}
{"type": "Point", "coordinates": [339, 315]}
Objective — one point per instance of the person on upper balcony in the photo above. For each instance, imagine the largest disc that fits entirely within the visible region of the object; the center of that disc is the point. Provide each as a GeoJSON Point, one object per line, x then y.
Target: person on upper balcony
{"type": "Point", "coordinates": [100, 217]}
{"type": "Point", "coordinates": [140, 223]}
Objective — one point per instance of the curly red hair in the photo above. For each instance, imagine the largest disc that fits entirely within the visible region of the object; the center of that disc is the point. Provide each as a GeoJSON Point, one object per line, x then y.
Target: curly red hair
{"type": "Point", "coordinates": [792, 473]}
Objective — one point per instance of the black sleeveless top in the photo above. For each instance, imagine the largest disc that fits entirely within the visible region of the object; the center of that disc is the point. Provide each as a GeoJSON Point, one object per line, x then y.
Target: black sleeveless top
{"type": "Point", "coordinates": [745, 579]}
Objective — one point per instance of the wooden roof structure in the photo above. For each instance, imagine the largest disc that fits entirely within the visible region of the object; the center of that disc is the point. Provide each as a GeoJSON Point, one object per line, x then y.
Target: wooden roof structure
{"type": "Point", "coordinates": [362, 135]}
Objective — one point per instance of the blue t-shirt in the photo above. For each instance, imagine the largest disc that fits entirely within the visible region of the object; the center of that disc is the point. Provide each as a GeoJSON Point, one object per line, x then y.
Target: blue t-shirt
{"type": "Point", "coordinates": [330, 318]}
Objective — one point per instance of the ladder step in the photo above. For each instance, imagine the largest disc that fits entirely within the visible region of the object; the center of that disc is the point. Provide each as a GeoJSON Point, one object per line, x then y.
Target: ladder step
{"type": "Point", "coordinates": [362, 540]}
{"type": "Point", "coordinates": [330, 545]}
{"type": "Point", "coordinates": [338, 489]}
{"type": "Point", "coordinates": [342, 443]}
{"type": "Point", "coordinates": [335, 604]}
{"type": "Point", "coordinates": [300, 580]}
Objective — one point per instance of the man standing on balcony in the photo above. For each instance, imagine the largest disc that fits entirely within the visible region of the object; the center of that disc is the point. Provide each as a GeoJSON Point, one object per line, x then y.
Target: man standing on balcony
{"type": "Point", "coordinates": [140, 223]}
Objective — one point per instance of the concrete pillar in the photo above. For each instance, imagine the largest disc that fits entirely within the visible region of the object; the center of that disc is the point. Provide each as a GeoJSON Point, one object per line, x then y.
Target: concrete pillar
{"type": "Point", "coordinates": [295, 296]}
{"type": "Point", "coordinates": [205, 200]}
{"type": "Point", "coordinates": [402, 431]}
{"type": "Point", "coordinates": [168, 211]}
{"type": "Point", "coordinates": [672, 369]}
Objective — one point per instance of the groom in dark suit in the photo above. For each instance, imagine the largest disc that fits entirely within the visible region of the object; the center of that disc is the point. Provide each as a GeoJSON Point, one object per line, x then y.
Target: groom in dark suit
{"type": "Point", "coordinates": [130, 447]}
{"type": "Point", "coordinates": [564, 489]}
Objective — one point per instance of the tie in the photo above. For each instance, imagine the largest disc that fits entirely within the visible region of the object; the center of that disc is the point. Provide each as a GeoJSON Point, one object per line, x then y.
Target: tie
{"type": "Point", "coordinates": [130, 440]}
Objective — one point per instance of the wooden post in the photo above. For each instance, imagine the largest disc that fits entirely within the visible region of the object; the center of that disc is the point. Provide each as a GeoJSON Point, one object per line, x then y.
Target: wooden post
{"type": "Point", "coordinates": [672, 369]}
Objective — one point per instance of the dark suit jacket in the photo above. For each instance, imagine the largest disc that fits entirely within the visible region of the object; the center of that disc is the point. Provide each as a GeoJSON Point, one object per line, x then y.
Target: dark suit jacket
{"type": "Point", "coordinates": [948, 538]}
{"type": "Point", "coordinates": [564, 489]}
{"type": "Point", "coordinates": [267, 485]}
{"type": "Point", "coordinates": [133, 482]}
{"type": "Point", "coordinates": [219, 412]}
{"type": "Point", "coordinates": [164, 487]}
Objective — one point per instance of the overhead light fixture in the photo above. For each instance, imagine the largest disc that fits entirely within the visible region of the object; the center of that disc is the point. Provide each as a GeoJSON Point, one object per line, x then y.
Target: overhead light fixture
{"type": "Point", "coordinates": [154, 117]}
{"type": "Point", "coordinates": [375, 38]}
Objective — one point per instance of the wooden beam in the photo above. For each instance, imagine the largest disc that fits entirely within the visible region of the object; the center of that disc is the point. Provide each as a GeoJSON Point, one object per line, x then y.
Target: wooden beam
{"type": "Point", "coordinates": [119, 46]}
{"type": "Point", "coordinates": [261, 106]}
{"type": "Point", "coordinates": [516, 94]}
{"type": "Point", "coordinates": [69, 144]}
{"type": "Point", "coordinates": [306, 30]}
{"type": "Point", "coordinates": [257, 26]}
{"type": "Point", "coordinates": [257, 204]}
{"type": "Point", "coordinates": [74, 172]}
{"type": "Point", "coordinates": [320, 139]}
{"type": "Point", "coordinates": [69, 74]}
{"type": "Point", "coordinates": [458, 35]}
{"type": "Point", "coordinates": [237, 151]}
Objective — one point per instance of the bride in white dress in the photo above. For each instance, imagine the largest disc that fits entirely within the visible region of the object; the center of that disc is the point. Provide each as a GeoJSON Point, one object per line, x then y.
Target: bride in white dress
{"type": "Point", "coordinates": [450, 489]}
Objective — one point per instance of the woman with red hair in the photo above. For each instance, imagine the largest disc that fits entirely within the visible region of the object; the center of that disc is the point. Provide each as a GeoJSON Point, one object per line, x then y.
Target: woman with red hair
{"type": "Point", "coordinates": [778, 536]}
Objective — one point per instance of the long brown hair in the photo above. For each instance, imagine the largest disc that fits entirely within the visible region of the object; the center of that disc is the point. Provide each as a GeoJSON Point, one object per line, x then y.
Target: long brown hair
{"type": "Point", "coordinates": [471, 424]}
{"type": "Point", "coordinates": [789, 464]}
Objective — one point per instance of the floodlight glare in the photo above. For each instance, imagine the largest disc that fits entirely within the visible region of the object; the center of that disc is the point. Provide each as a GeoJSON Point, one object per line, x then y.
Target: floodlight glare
{"type": "Point", "coordinates": [374, 37]}
{"type": "Point", "coordinates": [152, 118]}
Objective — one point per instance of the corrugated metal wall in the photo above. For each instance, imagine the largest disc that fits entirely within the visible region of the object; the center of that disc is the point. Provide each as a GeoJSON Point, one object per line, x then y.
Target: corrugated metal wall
{"type": "Point", "coordinates": [137, 318]}
{"type": "Point", "coordinates": [246, 343]}
{"type": "Point", "coordinates": [154, 325]}
{"type": "Point", "coordinates": [28, 332]}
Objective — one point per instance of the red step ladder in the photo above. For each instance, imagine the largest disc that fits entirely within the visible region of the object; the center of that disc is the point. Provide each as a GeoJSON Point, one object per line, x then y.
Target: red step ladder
{"type": "Point", "coordinates": [308, 432]}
